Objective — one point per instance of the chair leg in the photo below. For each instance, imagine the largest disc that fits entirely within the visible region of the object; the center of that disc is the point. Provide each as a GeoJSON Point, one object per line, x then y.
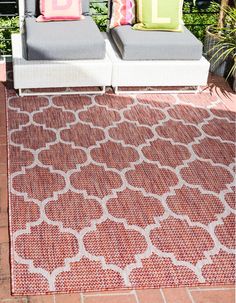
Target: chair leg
{"type": "Point", "coordinates": [116, 89]}
{"type": "Point", "coordinates": [20, 93]}
{"type": "Point", "coordinates": [198, 90]}
{"type": "Point", "coordinates": [103, 90]}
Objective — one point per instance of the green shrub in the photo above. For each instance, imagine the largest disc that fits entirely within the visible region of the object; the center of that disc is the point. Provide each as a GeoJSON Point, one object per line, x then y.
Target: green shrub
{"type": "Point", "coordinates": [197, 20]}
{"type": "Point", "coordinates": [7, 26]}
{"type": "Point", "coordinates": [100, 14]}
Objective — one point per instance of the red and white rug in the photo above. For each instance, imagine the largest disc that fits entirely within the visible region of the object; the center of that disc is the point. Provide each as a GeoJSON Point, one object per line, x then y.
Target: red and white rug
{"type": "Point", "coordinates": [110, 192]}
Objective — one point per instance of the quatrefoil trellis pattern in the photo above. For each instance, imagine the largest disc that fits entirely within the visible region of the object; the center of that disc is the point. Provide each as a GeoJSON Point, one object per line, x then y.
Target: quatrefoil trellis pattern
{"type": "Point", "coordinates": [109, 192]}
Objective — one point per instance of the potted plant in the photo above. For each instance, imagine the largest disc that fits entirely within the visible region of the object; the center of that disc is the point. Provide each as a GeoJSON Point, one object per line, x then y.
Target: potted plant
{"type": "Point", "coordinates": [224, 51]}
{"type": "Point", "coordinates": [212, 37]}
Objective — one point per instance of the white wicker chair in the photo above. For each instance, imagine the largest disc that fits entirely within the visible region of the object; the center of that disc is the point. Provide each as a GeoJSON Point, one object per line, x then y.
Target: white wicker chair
{"type": "Point", "coordinates": [185, 75]}
{"type": "Point", "coordinates": [35, 74]}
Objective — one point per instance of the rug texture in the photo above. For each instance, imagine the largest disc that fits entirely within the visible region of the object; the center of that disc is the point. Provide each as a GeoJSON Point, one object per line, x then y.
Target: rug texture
{"type": "Point", "coordinates": [110, 192]}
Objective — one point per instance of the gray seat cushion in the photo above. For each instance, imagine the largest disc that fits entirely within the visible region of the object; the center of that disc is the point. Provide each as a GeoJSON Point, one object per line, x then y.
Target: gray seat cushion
{"type": "Point", "coordinates": [32, 7]}
{"type": "Point", "coordinates": [63, 40]}
{"type": "Point", "coordinates": [156, 45]}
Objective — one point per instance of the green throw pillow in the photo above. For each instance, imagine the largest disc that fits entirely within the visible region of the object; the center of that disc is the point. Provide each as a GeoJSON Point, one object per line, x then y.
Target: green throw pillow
{"type": "Point", "coordinates": [159, 15]}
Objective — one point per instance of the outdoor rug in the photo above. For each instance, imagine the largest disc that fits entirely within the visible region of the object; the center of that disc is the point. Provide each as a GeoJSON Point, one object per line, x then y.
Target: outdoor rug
{"type": "Point", "coordinates": [110, 192]}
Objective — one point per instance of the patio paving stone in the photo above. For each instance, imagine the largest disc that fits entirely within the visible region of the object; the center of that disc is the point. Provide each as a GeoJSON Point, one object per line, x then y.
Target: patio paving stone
{"type": "Point", "coordinates": [214, 296]}
{"type": "Point", "coordinates": [150, 295]}
{"type": "Point", "coordinates": [72, 298]}
{"type": "Point", "coordinates": [42, 299]}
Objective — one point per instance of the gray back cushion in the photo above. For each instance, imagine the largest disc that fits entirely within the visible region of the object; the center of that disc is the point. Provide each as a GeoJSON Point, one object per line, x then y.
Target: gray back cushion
{"type": "Point", "coordinates": [32, 7]}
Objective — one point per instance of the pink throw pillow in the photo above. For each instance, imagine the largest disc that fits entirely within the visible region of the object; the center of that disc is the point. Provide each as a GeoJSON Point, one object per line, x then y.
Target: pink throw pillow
{"type": "Point", "coordinates": [57, 10]}
{"type": "Point", "coordinates": [123, 13]}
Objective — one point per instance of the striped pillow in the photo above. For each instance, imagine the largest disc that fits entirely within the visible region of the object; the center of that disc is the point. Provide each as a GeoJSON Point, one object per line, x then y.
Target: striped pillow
{"type": "Point", "coordinates": [55, 10]}
{"type": "Point", "coordinates": [123, 13]}
{"type": "Point", "coordinates": [163, 15]}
